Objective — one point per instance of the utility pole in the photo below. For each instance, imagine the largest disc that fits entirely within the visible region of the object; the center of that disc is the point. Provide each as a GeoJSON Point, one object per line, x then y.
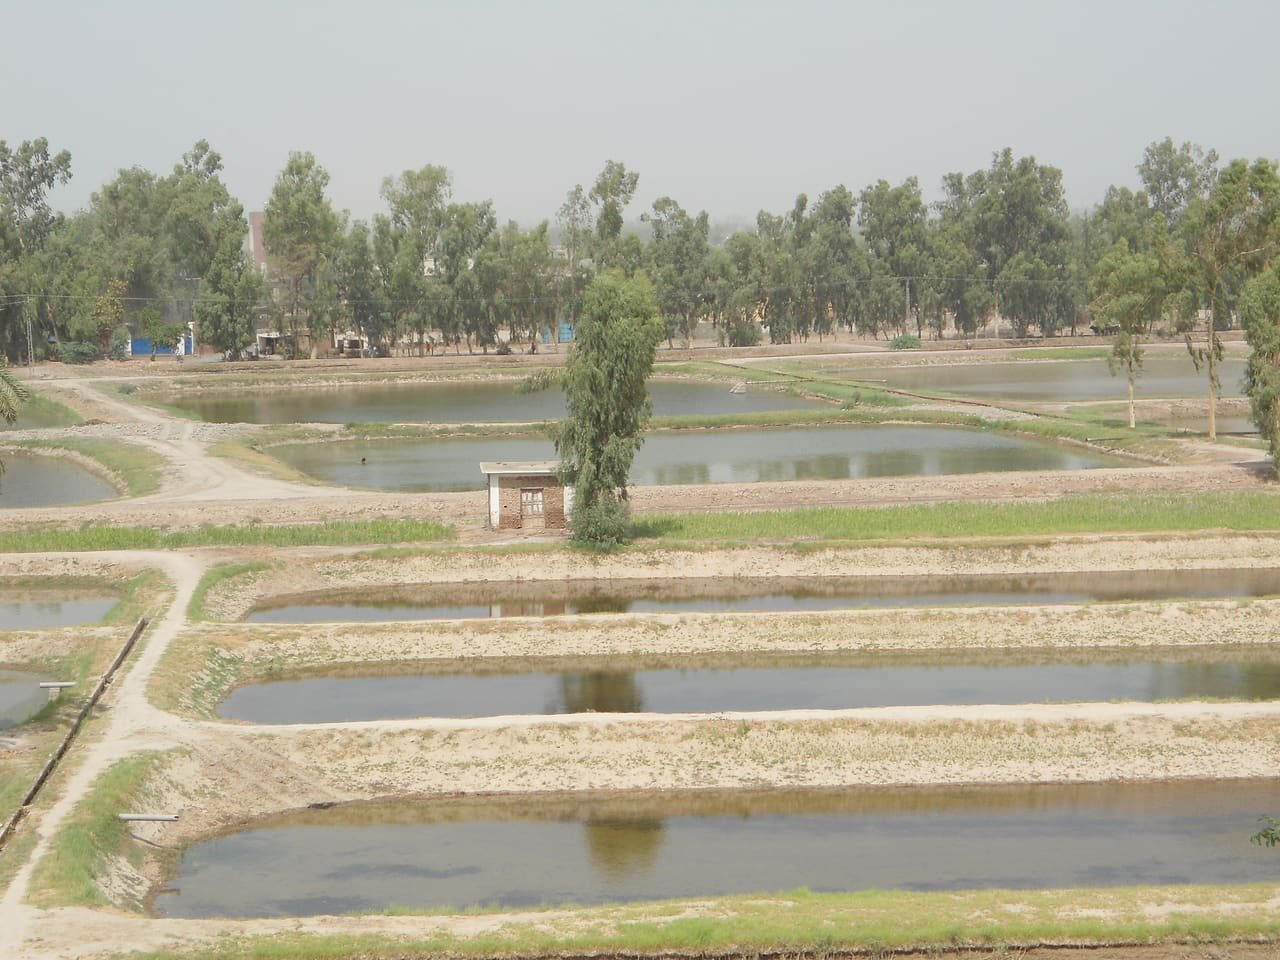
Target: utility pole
{"type": "Point", "coordinates": [31, 352]}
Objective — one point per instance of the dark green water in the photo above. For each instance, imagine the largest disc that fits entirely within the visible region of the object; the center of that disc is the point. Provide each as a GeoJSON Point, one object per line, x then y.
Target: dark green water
{"type": "Point", "coordinates": [1164, 375]}
{"type": "Point", "coordinates": [34, 481]}
{"type": "Point", "coordinates": [20, 696]}
{"type": "Point", "coordinates": [480, 402]}
{"type": "Point", "coordinates": [452, 601]}
{"type": "Point", "coordinates": [700, 456]}
{"type": "Point", "coordinates": [814, 682]}
{"type": "Point", "coordinates": [523, 852]}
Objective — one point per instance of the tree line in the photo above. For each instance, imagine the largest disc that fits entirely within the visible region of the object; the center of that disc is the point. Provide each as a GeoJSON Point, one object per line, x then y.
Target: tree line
{"type": "Point", "coordinates": [151, 250]}
{"type": "Point", "coordinates": [1190, 252]}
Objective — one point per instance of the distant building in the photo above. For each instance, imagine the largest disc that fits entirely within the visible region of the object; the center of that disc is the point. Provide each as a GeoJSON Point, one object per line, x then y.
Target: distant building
{"type": "Point", "coordinates": [257, 250]}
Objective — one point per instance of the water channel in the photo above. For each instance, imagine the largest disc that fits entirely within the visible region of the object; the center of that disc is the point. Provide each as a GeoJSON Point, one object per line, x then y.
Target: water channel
{"type": "Point", "coordinates": [701, 456]}
{"type": "Point", "coordinates": [21, 696]}
{"type": "Point", "coordinates": [39, 481]}
{"type": "Point", "coordinates": [1163, 375]}
{"type": "Point", "coordinates": [458, 402]}
{"type": "Point", "coordinates": [453, 601]}
{"type": "Point", "coordinates": [522, 852]}
{"type": "Point", "coordinates": [20, 612]}
{"type": "Point", "coordinates": [747, 682]}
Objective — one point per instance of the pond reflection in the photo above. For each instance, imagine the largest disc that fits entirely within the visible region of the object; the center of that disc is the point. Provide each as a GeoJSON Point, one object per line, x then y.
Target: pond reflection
{"type": "Point", "coordinates": [754, 682]}
{"type": "Point", "coordinates": [525, 851]}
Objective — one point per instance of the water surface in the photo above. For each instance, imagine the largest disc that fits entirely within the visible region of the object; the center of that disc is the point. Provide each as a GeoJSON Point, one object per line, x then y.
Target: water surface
{"type": "Point", "coordinates": [523, 852]}
{"type": "Point", "coordinates": [37, 481]}
{"type": "Point", "coordinates": [701, 456]}
{"type": "Point", "coordinates": [813, 682]}
{"type": "Point", "coordinates": [452, 601]}
{"type": "Point", "coordinates": [20, 696]}
{"type": "Point", "coordinates": [24, 613]}
{"type": "Point", "coordinates": [1164, 375]}
{"type": "Point", "coordinates": [459, 402]}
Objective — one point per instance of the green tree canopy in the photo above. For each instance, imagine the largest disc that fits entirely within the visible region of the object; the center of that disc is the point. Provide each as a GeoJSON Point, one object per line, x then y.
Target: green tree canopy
{"type": "Point", "coordinates": [607, 401]}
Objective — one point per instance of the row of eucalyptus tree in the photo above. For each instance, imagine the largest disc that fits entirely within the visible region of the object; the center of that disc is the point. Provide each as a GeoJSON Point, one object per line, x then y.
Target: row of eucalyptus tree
{"type": "Point", "coordinates": [431, 271]}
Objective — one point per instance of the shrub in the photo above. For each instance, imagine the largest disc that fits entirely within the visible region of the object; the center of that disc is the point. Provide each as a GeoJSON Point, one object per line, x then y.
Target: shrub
{"type": "Point", "coordinates": [77, 351]}
{"type": "Point", "coordinates": [743, 332]}
{"type": "Point", "coordinates": [118, 348]}
{"type": "Point", "coordinates": [601, 526]}
{"type": "Point", "coordinates": [905, 341]}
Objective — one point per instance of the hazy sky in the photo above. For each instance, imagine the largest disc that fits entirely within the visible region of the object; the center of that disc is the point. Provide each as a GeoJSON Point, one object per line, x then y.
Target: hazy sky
{"type": "Point", "coordinates": [727, 106]}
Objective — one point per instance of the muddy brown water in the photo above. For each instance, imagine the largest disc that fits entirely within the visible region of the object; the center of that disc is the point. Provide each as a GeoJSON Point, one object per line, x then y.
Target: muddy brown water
{"type": "Point", "coordinates": [754, 682]}
{"type": "Point", "coordinates": [737, 455]}
{"type": "Point", "coordinates": [37, 481]}
{"type": "Point", "coordinates": [423, 601]}
{"type": "Point", "coordinates": [525, 851]}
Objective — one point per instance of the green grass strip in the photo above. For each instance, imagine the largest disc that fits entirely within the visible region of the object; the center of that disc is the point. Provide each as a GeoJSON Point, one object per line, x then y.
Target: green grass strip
{"type": "Point", "coordinates": [333, 533]}
{"type": "Point", "coordinates": [68, 874]}
{"type": "Point", "coordinates": [1061, 353]}
{"type": "Point", "coordinates": [214, 577]}
{"type": "Point", "coordinates": [803, 922]}
{"type": "Point", "coordinates": [1093, 513]}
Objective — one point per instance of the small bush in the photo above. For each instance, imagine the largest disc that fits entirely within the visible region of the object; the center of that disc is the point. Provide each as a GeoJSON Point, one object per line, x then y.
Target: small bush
{"type": "Point", "coordinates": [118, 348]}
{"type": "Point", "coordinates": [905, 341]}
{"type": "Point", "coordinates": [602, 526]}
{"type": "Point", "coordinates": [743, 333]}
{"type": "Point", "coordinates": [77, 351]}
{"type": "Point", "coordinates": [504, 349]}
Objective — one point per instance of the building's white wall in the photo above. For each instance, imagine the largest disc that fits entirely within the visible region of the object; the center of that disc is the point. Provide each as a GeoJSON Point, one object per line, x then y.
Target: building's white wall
{"type": "Point", "coordinates": [495, 502]}
{"type": "Point", "coordinates": [568, 503]}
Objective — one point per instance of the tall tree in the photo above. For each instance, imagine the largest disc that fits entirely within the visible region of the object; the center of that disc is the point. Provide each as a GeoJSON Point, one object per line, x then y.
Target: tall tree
{"type": "Point", "coordinates": [611, 193]}
{"type": "Point", "coordinates": [27, 173]}
{"type": "Point", "coordinates": [678, 265]}
{"type": "Point", "coordinates": [1260, 309]}
{"type": "Point", "coordinates": [359, 285]}
{"type": "Point", "coordinates": [1228, 237]}
{"type": "Point", "coordinates": [1131, 291]}
{"type": "Point", "coordinates": [300, 232]}
{"type": "Point", "coordinates": [230, 302]}
{"type": "Point", "coordinates": [1173, 177]}
{"type": "Point", "coordinates": [607, 404]}
{"type": "Point", "coordinates": [893, 222]}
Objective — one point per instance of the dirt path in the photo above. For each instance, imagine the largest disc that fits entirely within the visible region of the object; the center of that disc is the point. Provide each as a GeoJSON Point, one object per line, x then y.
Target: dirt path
{"type": "Point", "coordinates": [129, 725]}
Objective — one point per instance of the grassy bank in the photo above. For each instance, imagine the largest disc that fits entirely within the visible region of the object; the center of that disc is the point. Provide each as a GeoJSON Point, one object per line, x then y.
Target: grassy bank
{"type": "Point", "coordinates": [820, 924]}
{"type": "Point", "coordinates": [214, 577]}
{"type": "Point", "coordinates": [80, 854]}
{"type": "Point", "coordinates": [1095, 513]}
{"type": "Point", "coordinates": [44, 412]}
{"type": "Point", "coordinates": [332, 533]}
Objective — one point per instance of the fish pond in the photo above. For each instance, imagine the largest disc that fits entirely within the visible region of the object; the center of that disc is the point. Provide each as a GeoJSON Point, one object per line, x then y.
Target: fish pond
{"type": "Point", "coordinates": [21, 696]}
{"type": "Point", "coordinates": [44, 609]}
{"type": "Point", "coordinates": [43, 481]}
{"type": "Point", "coordinates": [453, 601]}
{"type": "Point", "coordinates": [701, 456]}
{"type": "Point", "coordinates": [457, 402]}
{"type": "Point", "coordinates": [523, 852]}
{"type": "Point", "coordinates": [1047, 381]}
{"type": "Point", "coordinates": [758, 682]}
